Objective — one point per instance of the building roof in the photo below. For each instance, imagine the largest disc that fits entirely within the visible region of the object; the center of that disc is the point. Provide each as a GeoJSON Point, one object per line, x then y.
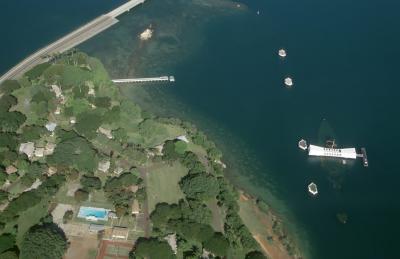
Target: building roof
{"type": "Point", "coordinates": [49, 148]}
{"type": "Point", "coordinates": [51, 126]}
{"type": "Point", "coordinates": [332, 152]}
{"type": "Point", "coordinates": [11, 169]}
{"type": "Point", "coordinates": [27, 148]}
{"type": "Point", "coordinates": [39, 152]}
{"type": "Point", "coordinates": [105, 132]}
{"type": "Point", "coordinates": [104, 166]}
{"type": "Point", "coordinates": [120, 232]}
{"type": "Point", "coordinates": [135, 207]}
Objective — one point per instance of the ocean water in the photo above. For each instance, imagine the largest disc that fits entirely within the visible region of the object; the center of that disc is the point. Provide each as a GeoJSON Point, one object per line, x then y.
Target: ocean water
{"type": "Point", "coordinates": [26, 25]}
{"type": "Point", "coordinates": [343, 57]}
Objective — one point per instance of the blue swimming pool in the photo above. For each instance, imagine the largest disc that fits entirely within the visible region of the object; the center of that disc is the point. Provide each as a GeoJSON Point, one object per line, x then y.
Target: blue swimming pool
{"type": "Point", "coordinates": [91, 213]}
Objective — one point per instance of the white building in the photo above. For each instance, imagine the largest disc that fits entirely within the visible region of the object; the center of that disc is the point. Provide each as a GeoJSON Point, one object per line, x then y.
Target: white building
{"type": "Point", "coordinates": [349, 153]}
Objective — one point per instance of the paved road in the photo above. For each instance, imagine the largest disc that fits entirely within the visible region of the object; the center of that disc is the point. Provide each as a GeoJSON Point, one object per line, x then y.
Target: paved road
{"type": "Point", "coordinates": [71, 40]}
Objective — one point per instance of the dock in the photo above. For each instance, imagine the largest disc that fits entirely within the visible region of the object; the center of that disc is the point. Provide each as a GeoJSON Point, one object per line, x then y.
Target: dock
{"type": "Point", "coordinates": [364, 156]}
{"type": "Point", "coordinates": [69, 41]}
{"type": "Point", "coordinates": [145, 80]}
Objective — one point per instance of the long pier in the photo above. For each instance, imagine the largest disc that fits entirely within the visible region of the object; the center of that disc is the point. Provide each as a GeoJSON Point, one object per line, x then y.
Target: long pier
{"type": "Point", "coordinates": [71, 40]}
{"type": "Point", "coordinates": [145, 80]}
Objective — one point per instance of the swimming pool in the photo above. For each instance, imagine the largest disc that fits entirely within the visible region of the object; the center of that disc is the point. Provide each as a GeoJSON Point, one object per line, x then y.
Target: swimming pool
{"type": "Point", "coordinates": [94, 214]}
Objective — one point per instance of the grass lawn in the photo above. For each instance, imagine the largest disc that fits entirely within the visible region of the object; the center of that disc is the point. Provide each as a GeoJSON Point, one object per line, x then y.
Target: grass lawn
{"type": "Point", "coordinates": [31, 217]}
{"type": "Point", "coordinates": [218, 215]}
{"type": "Point", "coordinates": [163, 184]}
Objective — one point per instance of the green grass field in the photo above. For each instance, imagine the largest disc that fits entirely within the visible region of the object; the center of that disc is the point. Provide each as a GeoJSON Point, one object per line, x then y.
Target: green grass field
{"type": "Point", "coordinates": [31, 217]}
{"type": "Point", "coordinates": [163, 184]}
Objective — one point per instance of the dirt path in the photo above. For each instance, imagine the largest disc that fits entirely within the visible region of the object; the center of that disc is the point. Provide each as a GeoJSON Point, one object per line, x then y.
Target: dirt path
{"type": "Point", "coordinates": [145, 208]}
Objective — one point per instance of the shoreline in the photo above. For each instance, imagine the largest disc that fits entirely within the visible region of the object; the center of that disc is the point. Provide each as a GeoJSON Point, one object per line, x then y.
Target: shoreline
{"type": "Point", "coordinates": [235, 177]}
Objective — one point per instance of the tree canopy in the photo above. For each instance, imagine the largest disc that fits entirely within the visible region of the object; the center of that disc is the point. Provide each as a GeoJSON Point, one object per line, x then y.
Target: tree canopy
{"type": "Point", "coordinates": [200, 186]}
{"type": "Point", "coordinates": [75, 152]}
{"type": "Point", "coordinates": [217, 245]}
{"type": "Point", "coordinates": [152, 249]}
{"type": "Point", "coordinates": [46, 241]}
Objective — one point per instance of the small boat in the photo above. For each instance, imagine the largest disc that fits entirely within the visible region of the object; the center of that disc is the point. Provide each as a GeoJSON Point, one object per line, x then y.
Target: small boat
{"type": "Point", "coordinates": [282, 53]}
{"type": "Point", "coordinates": [258, 12]}
{"type": "Point", "coordinates": [288, 81]}
{"type": "Point", "coordinates": [313, 189]}
{"type": "Point", "coordinates": [303, 144]}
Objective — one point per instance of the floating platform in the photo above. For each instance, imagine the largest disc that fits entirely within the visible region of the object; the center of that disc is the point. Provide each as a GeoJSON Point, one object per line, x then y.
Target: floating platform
{"type": "Point", "coordinates": [313, 189]}
{"type": "Point", "coordinates": [364, 156]}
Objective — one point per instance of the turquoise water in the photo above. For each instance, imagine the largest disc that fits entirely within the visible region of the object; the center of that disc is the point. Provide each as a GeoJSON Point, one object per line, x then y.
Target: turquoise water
{"type": "Point", "coordinates": [98, 213]}
{"type": "Point", "coordinates": [343, 56]}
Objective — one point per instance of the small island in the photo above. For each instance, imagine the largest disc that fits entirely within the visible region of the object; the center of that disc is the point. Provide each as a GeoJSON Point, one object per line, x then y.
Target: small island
{"type": "Point", "coordinates": [85, 172]}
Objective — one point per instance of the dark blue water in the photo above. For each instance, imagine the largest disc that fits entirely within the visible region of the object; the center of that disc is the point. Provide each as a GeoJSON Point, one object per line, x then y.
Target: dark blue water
{"type": "Point", "coordinates": [27, 25]}
{"type": "Point", "coordinates": [343, 56]}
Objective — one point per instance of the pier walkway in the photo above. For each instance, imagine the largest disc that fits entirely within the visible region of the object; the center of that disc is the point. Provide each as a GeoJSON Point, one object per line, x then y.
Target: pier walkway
{"type": "Point", "coordinates": [71, 40]}
{"type": "Point", "coordinates": [145, 80]}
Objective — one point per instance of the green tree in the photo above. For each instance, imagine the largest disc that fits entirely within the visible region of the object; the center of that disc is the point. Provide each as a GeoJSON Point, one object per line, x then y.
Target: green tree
{"type": "Point", "coordinates": [74, 152]}
{"type": "Point", "coordinates": [103, 102]}
{"type": "Point", "coordinates": [81, 195]}
{"type": "Point", "coordinates": [7, 241]}
{"type": "Point", "coordinates": [8, 140]}
{"type": "Point", "coordinates": [200, 186]}
{"type": "Point", "coordinates": [217, 245]}
{"type": "Point", "coordinates": [255, 255]}
{"type": "Point", "coordinates": [9, 254]}
{"type": "Point", "coordinates": [90, 182]}
{"type": "Point", "coordinates": [11, 121]}
{"type": "Point", "coordinates": [9, 86]}
{"type": "Point", "coordinates": [46, 241]}
{"type": "Point", "coordinates": [169, 151]}
{"type": "Point", "coordinates": [152, 249]}
{"type": "Point", "coordinates": [6, 102]}
{"type": "Point", "coordinates": [3, 196]}
{"type": "Point", "coordinates": [163, 213]}
{"type": "Point", "coordinates": [88, 123]}
{"type": "Point", "coordinates": [68, 216]}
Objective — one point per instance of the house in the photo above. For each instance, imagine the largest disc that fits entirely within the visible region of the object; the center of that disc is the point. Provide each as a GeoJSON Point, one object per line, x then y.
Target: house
{"type": "Point", "coordinates": [120, 233]}
{"type": "Point", "coordinates": [133, 188]}
{"type": "Point", "coordinates": [51, 126]}
{"type": "Point", "coordinates": [27, 148]}
{"type": "Point", "coordinates": [94, 228]}
{"type": "Point", "coordinates": [104, 166]}
{"type": "Point", "coordinates": [91, 92]}
{"type": "Point", "coordinates": [135, 207]}
{"type": "Point", "coordinates": [52, 170]}
{"type": "Point", "coordinates": [11, 169]}
{"type": "Point", "coordinates": [39, 152]}
{"type": "Point", "coordinates": [57, 111]}
{"type": "Point", "coordinates": [105, 132]}
{"type": "Point", "coordinates": [49, 148]}
{"type": "Point", "coordinates": [57, 90]}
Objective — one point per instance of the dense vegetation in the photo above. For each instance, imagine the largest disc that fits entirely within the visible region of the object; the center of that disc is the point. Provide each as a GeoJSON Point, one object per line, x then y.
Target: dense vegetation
{"type": "Point", "coordinates": [100, 141]}
{"type": "Point", "coordinates": [46, 241]}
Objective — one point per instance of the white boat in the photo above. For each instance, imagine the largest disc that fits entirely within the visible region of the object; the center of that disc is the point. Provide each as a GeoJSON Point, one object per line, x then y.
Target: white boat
{"type": "Point", "coordinates": [288, 81]}
{"type": "Point", "coordinates": [282, 53]}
